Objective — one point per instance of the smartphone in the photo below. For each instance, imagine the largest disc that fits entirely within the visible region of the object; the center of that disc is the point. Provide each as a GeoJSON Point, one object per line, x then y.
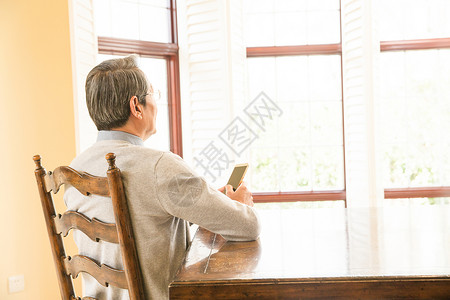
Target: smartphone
{"type": "Point", "coordinates": [237, 175]}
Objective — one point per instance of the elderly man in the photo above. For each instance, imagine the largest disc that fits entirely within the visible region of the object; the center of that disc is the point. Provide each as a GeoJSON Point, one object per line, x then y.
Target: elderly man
{"type": "Point", "coordinates": [164, 194]}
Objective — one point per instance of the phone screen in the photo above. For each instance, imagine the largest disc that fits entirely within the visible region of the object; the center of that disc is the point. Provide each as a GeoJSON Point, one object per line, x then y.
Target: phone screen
{"type": "Point", "coordinates": [237, 175]}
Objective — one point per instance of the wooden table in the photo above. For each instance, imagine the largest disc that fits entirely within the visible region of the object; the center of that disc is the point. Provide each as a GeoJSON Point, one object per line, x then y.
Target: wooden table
{"type": "Point", "coordinates": [399, 252]}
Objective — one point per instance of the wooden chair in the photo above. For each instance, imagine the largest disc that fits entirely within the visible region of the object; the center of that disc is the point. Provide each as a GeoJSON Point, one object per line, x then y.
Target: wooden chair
{"type": "Point", "coordinates": [121, 232]}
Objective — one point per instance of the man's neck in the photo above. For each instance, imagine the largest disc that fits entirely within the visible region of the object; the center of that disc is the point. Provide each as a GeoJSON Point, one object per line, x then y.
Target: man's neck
{"type": "Point", "coordinates": [119, 135]}
{"type": "Point", "coordinates": [130, 128]}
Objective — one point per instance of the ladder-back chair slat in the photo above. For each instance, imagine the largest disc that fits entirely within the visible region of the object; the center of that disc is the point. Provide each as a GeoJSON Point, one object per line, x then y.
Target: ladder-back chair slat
{"type": "Point", "coordinates": [104, 274]}
{"type": "Point", "coordinates": [84, 298]}
{"type": "Point", "coordinates": [95, 229]}
{"type": "Point", "coordinates": [85, 183]}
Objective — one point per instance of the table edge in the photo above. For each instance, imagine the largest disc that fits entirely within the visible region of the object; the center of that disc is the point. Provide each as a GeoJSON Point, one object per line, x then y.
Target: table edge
{"type": "Point", "coordinates": [312, 280]}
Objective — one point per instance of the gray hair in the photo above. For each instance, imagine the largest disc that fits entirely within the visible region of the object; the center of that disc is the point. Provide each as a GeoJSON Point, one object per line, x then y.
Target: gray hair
{"type": "Point", "coordinates": [109, 88]}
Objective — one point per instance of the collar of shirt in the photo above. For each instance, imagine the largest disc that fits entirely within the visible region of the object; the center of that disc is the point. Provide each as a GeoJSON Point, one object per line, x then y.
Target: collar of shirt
{"type": "Point", "coordinates": [105, 135]}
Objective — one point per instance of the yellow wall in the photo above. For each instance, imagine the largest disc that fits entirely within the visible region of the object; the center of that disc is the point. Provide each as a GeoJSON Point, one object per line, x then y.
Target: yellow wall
{"type": "Point", "coordinates": [36, 116]}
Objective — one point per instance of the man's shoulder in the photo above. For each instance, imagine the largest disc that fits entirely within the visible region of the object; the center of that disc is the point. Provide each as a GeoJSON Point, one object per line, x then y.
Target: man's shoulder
{"type": "Point", "coordinates": [171, 164]}
{"type": "Point", "coordinates": [168, 159]}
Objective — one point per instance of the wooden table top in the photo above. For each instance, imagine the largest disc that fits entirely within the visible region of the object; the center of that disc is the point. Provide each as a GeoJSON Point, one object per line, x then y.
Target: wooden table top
{"type": "Point", "coordinates": [317, 244]}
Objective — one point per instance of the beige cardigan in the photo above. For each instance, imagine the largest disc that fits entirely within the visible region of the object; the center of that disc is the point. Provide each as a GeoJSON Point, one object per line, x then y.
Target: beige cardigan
{"type": "Point", "coordinates": [163, 195]}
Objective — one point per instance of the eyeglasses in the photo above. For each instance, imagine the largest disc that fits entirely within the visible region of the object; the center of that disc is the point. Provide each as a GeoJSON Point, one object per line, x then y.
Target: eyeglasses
{"type": "Point", "coordinates": [156, 95]}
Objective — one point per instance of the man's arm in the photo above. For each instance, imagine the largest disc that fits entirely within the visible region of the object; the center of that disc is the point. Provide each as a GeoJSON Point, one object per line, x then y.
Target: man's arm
{"type": "Point", "coordinates": [184, 194]}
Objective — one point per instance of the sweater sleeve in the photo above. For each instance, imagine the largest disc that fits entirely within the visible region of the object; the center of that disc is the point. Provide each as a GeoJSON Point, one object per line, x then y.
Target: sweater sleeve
{"type": "Point", "coordinates": [186, 195]}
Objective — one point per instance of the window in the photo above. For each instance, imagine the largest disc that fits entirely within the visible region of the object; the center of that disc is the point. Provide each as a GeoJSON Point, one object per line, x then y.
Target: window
{"type": "Point", "coordinates": [294, 56]}
{"type": "Point", "coordinates": [415, 98]}
{"type": "Point", "coordinates": [152, 34]}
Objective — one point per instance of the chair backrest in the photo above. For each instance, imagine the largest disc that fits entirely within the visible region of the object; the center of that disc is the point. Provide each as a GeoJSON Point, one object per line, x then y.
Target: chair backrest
{"type": "Point", "coordinates": [120, 232]}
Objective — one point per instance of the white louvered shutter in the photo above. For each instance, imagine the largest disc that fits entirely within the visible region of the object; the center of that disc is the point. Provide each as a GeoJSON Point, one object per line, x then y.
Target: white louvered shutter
{"type": "Point", "coordinates": [360, 49]}
{"type": "Point", "coordinates": [212, 65]}
{"type": "Point", "coordinates": [84, 52]}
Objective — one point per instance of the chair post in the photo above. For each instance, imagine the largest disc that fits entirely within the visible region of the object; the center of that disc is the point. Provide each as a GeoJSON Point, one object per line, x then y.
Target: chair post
{"type": "Point", "coordinates": [125, 230]}
{"type": "Point", "coordinates": [64, 280]}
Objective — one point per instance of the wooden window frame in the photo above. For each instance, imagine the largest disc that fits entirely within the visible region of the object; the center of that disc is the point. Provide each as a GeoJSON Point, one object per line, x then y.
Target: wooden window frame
{"type": "Point", "coordinates": [301, 196]}
{"type": "Point", "coordinates": [167, 51]}
{"type": "Point", "coordinates": [295, 50]}
{"type": "Point", "coordinates": [406, 45]}
{"type": "Point", "coordinates": [337, 195]}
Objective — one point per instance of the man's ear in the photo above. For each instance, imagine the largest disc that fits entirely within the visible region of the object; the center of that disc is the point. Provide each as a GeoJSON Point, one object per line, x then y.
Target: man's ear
{"type": "Point", "coordinates": [135, 107]}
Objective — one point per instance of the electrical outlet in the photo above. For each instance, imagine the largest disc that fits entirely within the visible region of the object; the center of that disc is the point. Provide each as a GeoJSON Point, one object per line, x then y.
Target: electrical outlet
{"type": "Point", "coordinates": [16, 283]}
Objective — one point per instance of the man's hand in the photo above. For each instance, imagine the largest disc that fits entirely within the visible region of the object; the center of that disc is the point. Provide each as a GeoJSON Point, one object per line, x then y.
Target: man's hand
{"type": "Point", "coordinates": [242, 194]}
